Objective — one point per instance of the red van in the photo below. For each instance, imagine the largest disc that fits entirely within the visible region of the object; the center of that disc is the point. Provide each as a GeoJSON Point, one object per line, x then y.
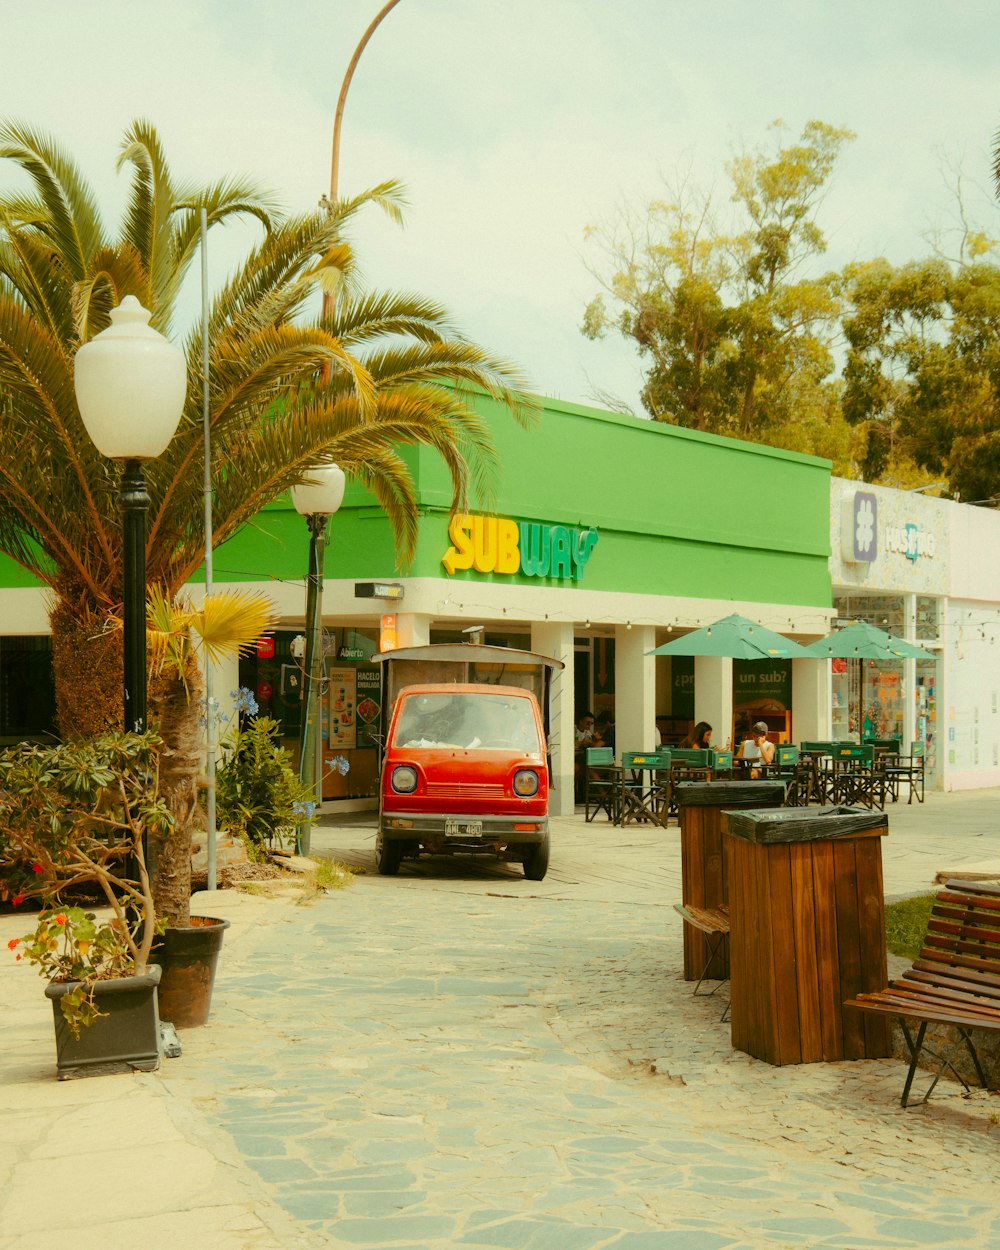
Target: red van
{"type": "Point", "coordinates": [464, 771]}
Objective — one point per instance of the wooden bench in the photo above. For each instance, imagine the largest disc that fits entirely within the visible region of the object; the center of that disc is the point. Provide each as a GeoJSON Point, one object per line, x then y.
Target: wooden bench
{"type": "Point", "coordinates": [955, 983]}
{"type": "Point", "coordinates": [714, 923]}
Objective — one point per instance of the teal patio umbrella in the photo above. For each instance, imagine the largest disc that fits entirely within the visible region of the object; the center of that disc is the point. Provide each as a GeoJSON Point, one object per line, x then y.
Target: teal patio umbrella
{"type": "Point", "coordinates": [861, 642]}
{"type": "Point", "coordinates": [738, 637]}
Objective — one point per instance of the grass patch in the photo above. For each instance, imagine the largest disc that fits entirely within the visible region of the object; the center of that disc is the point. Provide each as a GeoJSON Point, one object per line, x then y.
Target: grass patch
{"type": "Point", "coordinates": [906, 925]}
{"type": "Point", "coordinates": [331, 875]}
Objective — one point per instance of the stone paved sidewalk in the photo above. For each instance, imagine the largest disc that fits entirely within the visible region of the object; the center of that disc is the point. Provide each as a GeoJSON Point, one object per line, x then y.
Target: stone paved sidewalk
{"type": "Point", "coordinates": [458, 1057]}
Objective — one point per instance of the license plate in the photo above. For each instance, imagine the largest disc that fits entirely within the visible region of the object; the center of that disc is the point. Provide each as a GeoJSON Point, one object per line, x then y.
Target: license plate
{"type": "Point", "coordinates": [463, 828]}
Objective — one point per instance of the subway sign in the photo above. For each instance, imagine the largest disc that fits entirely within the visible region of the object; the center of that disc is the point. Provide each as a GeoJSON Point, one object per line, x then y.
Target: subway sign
{"type": "Point", "coordinates": [491, 544]}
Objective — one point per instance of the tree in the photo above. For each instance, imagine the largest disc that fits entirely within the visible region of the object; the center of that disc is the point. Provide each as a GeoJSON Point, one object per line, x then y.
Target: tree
{"type": "Point", "coordinates": [390, 360]}
{"type": "Point", "coordinates": [738, 340]}
{"type": "Point", "coordinates": [922, 375]}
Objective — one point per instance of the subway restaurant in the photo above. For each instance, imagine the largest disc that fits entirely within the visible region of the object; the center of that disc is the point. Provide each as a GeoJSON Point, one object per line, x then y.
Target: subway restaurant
{"type": "Point", "coordinates": [606, 537]}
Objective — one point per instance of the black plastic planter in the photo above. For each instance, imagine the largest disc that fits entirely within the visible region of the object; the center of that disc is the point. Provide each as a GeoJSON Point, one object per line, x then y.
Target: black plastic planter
{"type": "Point", "coordinates": [189, 957]}
{"type": "Point", "coordinates": [125, 1037]}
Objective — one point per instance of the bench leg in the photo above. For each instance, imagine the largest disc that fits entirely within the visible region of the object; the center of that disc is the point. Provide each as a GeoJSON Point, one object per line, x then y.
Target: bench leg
{"type": "Point", "coordinates": [916, 1046]}
{"type": "Point", "coordinates": [714, 942]}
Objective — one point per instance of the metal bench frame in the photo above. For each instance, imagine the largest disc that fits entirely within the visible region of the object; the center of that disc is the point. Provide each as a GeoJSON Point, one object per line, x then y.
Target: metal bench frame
{"type": "Point", "coordinates": [955, 982]}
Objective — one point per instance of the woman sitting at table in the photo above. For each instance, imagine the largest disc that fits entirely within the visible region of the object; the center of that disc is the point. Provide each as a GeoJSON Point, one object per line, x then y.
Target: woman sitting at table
{"type": "Point", "coordinates": [700, 738]}
{"type": "Point", "coordinates": [756, 748]}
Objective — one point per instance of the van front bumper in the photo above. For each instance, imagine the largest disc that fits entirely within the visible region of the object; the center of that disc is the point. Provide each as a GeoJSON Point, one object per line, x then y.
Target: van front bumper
{"type": "Point", "coordinates": [463, 828]}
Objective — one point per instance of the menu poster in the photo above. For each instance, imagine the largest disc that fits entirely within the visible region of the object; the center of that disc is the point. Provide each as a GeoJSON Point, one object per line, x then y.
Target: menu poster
{"type": "Point", "coordinates": [369, 704]}
{"type": "Point", "coordinates": [343, 703]}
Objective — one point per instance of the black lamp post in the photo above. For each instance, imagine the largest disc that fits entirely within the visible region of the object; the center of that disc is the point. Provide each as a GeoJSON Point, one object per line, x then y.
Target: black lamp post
{"type": "Point", "coordinates": [130, 385]}
{"type": "Point", "coordinates": [316, 499]}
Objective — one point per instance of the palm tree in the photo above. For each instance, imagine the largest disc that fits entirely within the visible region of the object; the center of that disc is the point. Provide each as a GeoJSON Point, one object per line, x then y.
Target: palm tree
{"type": "Point", "coordinates": [286, 392]}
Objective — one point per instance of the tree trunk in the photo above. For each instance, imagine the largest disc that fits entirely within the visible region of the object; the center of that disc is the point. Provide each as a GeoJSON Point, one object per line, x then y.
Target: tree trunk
{"type": "Point", "coordinates": [87, 669]}
{"type": "Point", "coordinates": [175, 712]}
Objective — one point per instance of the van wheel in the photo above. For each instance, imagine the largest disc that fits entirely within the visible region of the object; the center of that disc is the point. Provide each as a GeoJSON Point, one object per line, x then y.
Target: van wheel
{"type": "Point", "coordinates": [388, 856]}
{"type": "Point", "coordinates": [536, 860]}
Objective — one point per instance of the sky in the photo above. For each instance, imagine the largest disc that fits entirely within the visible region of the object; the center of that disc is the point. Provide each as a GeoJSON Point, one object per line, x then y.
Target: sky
{"type": "Point", "coordinates": [515, 124]}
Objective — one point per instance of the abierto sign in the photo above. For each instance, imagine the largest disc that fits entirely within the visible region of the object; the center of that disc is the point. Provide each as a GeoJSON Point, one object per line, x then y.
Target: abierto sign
{"type": "Point", "coordinates": [489, 544]}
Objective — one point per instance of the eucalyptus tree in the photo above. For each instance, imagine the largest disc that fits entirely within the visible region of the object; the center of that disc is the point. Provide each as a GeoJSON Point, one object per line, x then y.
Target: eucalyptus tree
{"type": "Point", "coordinates": [734, 332]}
{"type": "Point", "coordinates": [288, 390]}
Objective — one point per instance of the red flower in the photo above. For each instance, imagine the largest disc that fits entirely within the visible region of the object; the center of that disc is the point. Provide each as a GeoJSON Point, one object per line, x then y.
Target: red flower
{"type": "Point", "coordinates": [17, 900]}
{"type": "Point", "coordinates": [37, 868]}
{"type": "Point", "coordinates": [60, 919]}
{"type": "Point", "coordinates": [13, 942]}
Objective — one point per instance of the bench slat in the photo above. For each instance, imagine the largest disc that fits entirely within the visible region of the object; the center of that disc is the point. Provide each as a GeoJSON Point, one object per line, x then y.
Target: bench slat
{"type": "Point", "coordinates": [959, 984]}
{"type": "Point", "coordinates": [943, 996]}
{"type": "Point", "coordinates": [708, 920]}
{"type": "Point", "coordinates": [913, 1010]}
{"type": "Point", "coordinates": [939, 968]}
{"type": "Point", "coordinates": [975, 923]}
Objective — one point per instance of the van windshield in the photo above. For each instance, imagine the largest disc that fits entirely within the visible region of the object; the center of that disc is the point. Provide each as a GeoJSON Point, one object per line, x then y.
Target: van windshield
{"type": "Point", "coordinates": [486, 722]}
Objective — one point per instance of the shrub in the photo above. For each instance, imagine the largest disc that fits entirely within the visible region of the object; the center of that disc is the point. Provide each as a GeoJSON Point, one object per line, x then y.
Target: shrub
{"type": "Point", "coordinates": [256, 788]}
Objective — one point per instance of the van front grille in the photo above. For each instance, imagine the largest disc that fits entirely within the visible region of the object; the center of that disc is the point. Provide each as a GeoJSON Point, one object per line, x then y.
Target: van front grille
{"type": "Point", "coordinates": [465, 790]}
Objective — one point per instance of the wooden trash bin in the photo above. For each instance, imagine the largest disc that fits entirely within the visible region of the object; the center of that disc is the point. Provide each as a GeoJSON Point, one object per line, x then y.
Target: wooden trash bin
{"type": "Point", "coordinates": [807, 931]}
{"type": "Point", "coordinates": [700, 805]}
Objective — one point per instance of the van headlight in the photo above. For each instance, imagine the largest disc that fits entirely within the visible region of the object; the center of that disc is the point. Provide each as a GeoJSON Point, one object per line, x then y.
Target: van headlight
{"type": "Point", "coordinates": [404, 779]}
{"type": "Point", "coordinates": [525, 783]}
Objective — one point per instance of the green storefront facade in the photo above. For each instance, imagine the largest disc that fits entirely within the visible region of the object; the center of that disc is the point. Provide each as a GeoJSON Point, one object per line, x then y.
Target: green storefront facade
{"type": "Point", "coordinates": [605, 534]}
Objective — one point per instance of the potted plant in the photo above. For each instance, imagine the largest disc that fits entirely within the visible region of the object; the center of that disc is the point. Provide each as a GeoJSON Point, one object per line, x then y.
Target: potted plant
{"type": "Point", "coordinates": [258, 793]}
{"type": "Point", "coordinates": [75, 818]}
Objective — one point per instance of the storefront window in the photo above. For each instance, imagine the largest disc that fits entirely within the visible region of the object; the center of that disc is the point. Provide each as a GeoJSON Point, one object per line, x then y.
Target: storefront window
{"type": "Point", "coordinates": [884, 611]}
{"type": "Point", "coordinates": [27, 693]}
{"type": "Point", "coordinates": [927, 714]}
{"type": "Point", "coordinates": [928, 619]}
{"type": "Point", "coordinates": [874, 687]}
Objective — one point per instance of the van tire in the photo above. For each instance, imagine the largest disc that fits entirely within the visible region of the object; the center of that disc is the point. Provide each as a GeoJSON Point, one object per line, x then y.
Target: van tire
{"type": "Point", "coordinates": [388, 856]}
{"type": "Point", "coordinates": [536, 860]}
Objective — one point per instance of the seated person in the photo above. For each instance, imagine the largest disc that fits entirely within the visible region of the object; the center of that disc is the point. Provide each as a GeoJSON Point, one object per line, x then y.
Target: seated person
{"type": "Point", "coordinates": [700, 738]}
{"type": "Point", "coordinates": [756, 747]}
{"type": "Point", "coordinates": [604, 730]}
{"type": "Point", "coordinates": [585, 737]}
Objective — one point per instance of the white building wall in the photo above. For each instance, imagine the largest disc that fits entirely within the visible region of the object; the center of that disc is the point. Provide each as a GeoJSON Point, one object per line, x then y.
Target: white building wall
{"type": "Point", "coordinates": [958, 564]}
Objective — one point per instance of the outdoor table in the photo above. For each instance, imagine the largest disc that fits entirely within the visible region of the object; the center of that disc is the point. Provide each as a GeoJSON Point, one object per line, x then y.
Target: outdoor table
{"type": "Point", "coordinates": [807, 932]}
{"type": "Point", "coordinates": [700, 805]}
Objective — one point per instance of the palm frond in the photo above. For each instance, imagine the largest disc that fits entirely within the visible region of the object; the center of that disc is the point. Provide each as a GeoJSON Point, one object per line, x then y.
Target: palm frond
{"type": "Point", "coordinates": [357, 320]}
{"type": "Point", "coordinates": [230, 622]}
{"type": "Point", "coordinates": [390, 196]}
{"type": "Point", "coordinates": [114, 273]}
{"type": "Point", "coordinates": [73, 224]}
{"type": "Point", "coordinates": [42, 283]}
{"type": "Point", "coordinates": [147, 225]}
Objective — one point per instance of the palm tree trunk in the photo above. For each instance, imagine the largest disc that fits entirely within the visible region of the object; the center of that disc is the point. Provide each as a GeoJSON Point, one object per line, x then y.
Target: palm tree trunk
{"type": "Point", "coordinates": [87, 669]}
{"type": "Point", "coordinates": [174, 711]}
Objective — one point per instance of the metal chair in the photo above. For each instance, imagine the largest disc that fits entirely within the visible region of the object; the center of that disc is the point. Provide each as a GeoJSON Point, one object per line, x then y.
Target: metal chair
{"type": "Point", "coordinates": [600, 783]}
{"type": "Point", "coordinates": [906, 768]}
{"type": "Point", "coordinates": [796, 775]}
{"type": "Point", "coordinates": [861, 777]}
{"type": "Point", "coordinates": [642, 797]}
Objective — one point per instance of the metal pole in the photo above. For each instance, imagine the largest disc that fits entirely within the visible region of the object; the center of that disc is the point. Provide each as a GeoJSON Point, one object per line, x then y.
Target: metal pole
{"type": "Point", "coordinates": [210, 717]}
{"type": "Point", "coordinates": [133, 500]}
{"type": "Point", "coordinates": [312, 686]}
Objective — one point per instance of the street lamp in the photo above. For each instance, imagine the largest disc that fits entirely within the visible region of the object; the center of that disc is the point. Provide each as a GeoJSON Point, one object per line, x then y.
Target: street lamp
{"type": "Point", "coordinates": [130, 386]}
{"type": "Point", "coordinates": [316, 499]}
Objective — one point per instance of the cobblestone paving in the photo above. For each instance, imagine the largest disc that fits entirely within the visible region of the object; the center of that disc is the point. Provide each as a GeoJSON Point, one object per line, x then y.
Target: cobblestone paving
{"type": "Point", "coordinates": [476, 1061]}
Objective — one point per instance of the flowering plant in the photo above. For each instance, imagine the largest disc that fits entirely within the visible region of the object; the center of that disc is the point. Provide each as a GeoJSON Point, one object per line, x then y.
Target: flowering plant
{"type": "Point", "coordinates": [256, 789]}
{"type": "Point", "coordinates": [72, 945]}
{"type": "Point", "coordinates": [74, 817]}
